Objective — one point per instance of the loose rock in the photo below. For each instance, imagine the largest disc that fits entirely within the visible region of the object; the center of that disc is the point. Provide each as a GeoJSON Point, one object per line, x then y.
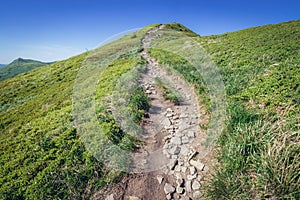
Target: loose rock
{"type": "Point", "coordinates": [168, 188]}
{"type": "Point", "coordinates": [175, 150]}
{"type": "Point", "coordinates": [179, 190]}
{"type": "Point", "coordinates": [110, 197]}
{"type": "Point", "coordinates": [166, 122]}
{"type": "Point", "coordinates": [188, 186]}
{"type": "Point", "coordinates": [132, 198]}
{"type": "Point", "coordinates": [191, 134]}
{"type": "Point", "coordinates": [169, 197]}
{"type": "Point", "coordinates": [196, 185]}
{"type": "Point", "coordinates": [185, 140]}
{"type": "Point", "coordinates": [200, 166]}
{"type": "Point", "coordinates": [173, 164]}
{"type": "Point", "coordinates": [160, 179]}
{"type": "Point", "coordinates": [192, 170]}
{"type": "Point", "coordinates": [197, 194]}
{"type": "Point", "coordinates": [176, 140]}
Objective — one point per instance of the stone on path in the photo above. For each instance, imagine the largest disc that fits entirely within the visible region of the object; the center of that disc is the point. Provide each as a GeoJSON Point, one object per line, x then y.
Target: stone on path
{"type": "Point", "coordinates": [197, 194]}
{"type": "Point", "coordinates": [179, 182]}
{"type": "Point", "coordinates": [191, 134]}
{"type": "Point", "coordinates": [188, 186]}
{"type": "Point", "coordinates": [185, 198]}
{"type": "Point", "coordinates": [175, 150]}
{"type": "Point", "coordinates": [160, 179]}
{"type": "Point", "coordinates": [169, 189]}
{"type": "Point", "coordinates": [132, 198]}
{"type": "Point", "coordinates": [200, 166]}
{"type": "Point", "coordinates": [169, 197]}
{"type": "Point", "coordinates": [179, 190]}
{"type": "Point", "coordinates": [110, 197]}
{"type": "Point", "coordinates": [192, 170]}
{"type": "Point", "coordinates": [176, 140]}
{"type": "Point", "coordinates": [173, 164]}
{"type": "Point", "coordinates": [196, 185]}
{"type": "Point", "coordinates": [166, 122]}
{"type": "Point", "coordinates": [183, 169]}
{"type": "Point", "coordinates": [191, 177]}
{"type": "Point", "coordinates": [184, 150]}
{"type": "Point", "coordinates": [185, 140]}
{"type": "Point", "coordinates": [192, 155]}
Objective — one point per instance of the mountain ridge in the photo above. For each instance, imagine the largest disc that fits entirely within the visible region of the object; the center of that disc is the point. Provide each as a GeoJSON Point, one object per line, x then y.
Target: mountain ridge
{"type": "Point", "coordinates": [18, 66]}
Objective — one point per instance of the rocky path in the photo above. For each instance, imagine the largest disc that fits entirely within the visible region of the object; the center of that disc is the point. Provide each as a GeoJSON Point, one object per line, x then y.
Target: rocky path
{"type": "Point", "coordinates": [172, 130]}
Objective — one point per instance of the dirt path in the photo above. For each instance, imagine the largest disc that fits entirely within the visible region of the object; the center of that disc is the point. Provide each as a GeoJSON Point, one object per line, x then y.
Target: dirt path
{"type": "Point", "coordinates": [169, 168]}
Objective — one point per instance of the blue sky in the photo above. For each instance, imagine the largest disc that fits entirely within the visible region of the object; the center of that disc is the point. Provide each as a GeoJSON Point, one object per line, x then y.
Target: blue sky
{"type": "Point", "coordinates": [50, 30]}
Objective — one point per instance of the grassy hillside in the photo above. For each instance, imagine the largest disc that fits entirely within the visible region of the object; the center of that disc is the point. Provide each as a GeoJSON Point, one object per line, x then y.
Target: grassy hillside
{"type": "Point", "coordinates": [260, 150]}
{"type": "Point", "coordinates": [42, 156]}
{"type": "Point", "coordinates": [19, 66]}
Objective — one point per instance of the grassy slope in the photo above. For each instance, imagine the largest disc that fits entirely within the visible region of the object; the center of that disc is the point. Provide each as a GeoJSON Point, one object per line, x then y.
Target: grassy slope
{"type": "Point", "coordinates": [259, 154]}
{"type": "Point", "coordinates": [41, 156]}
{"type": "Point", "coordinates": [19, 66]}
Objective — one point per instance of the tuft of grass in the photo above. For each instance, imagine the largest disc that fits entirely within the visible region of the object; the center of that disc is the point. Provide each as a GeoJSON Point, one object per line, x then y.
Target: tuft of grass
{"type": "Point", "coordinates": [169, 93]}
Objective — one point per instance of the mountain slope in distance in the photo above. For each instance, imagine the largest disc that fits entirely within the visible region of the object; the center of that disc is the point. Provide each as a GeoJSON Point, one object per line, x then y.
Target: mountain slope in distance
{"type": "Point", "coordinates": [19, 66]}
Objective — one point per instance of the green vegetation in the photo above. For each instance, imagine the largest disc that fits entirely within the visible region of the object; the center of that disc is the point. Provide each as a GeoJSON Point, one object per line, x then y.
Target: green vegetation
{"type": "Point", "coordinates": [138, 102]}
{"type": "Point", "coordinates": [41, 154]}
{"type": "Point", "coordinates": [19, 66]}
{"type": "Point", "coordinates": [180, 28]}
{"type": "Point", "coordinates": [260, 148]}
{"type": "Point", "coordinates": [169, 93]}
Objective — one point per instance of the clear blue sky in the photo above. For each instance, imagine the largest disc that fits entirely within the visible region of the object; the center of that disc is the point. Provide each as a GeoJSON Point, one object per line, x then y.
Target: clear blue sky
{"type": "Point", "coordinates": [51, 30]}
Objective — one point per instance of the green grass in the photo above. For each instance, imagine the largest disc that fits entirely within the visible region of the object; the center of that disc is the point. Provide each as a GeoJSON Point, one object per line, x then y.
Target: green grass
{"type": "Point", "coordinates": [138, 103]}
{"type": "Point", "coordinates": [19, 66]}
{"type": "Point", "coordinates": [259, 150]}
{"type": "Point", "coordinates": [41, 153]}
